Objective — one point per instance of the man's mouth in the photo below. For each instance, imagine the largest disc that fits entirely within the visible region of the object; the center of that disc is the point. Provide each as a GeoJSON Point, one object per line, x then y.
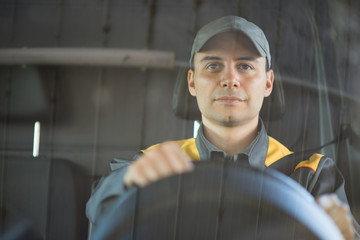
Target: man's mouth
{"type": "Point", "coordinates": [230, 99]}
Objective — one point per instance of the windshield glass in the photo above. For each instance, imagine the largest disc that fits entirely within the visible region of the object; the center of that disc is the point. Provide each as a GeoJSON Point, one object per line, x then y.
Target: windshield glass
{"type": "Point", "coordinates": [83, 82]}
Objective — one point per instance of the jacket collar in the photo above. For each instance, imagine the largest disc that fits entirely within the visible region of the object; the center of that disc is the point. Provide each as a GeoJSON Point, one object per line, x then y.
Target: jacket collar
{"type": "Point", "coordinates": [255, 153]}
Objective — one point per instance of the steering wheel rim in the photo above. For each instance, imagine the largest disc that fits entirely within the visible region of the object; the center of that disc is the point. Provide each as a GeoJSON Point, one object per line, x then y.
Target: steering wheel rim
{"type": "Point", "coordinates": [218, 200]}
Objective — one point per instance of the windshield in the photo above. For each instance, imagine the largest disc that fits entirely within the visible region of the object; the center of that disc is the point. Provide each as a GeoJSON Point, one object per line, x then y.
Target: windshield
{"type": "Point", "coordinates": [83, 82]}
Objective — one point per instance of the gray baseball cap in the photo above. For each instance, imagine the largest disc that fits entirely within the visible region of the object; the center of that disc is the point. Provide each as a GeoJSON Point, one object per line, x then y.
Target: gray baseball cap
{"type": "Point", "coordinates": [232, 23]}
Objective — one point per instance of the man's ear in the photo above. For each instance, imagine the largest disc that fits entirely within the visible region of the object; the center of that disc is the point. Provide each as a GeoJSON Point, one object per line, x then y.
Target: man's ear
{"type": "Point", "coordinates": [191, 82]}
{"type": "Point", "coordinates": [269, 82]}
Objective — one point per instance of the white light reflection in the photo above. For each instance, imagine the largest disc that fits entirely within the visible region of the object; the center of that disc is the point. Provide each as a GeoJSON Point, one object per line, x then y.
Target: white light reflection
{"type": "Point", "coordinates": [36, 144]}
{"type": "Point", "coordinates": [196, 127]}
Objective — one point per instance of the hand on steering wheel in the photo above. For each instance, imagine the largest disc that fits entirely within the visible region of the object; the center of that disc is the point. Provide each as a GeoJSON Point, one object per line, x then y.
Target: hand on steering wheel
{"type": "Point", "coordinates": [157, 163]}
{"type": "Point", "coordinates": [339, 213]}
{"type": "Point", "coordinates": [168, 159]}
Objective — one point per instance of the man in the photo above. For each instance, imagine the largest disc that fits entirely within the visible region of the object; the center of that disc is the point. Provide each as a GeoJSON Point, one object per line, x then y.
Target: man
{"type": "Point", "coordinates": [230, 75]}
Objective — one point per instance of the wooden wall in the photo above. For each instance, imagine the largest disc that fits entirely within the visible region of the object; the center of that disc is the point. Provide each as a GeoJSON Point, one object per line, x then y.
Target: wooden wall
{"type": "Point", "coordinates": [91, 114]}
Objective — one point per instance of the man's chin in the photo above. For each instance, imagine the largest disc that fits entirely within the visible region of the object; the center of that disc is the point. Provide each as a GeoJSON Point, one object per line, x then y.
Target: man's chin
{"type": "Point", "coordinates": [231, 121]}
{"type": "Point", "coordinates": [235, 121]}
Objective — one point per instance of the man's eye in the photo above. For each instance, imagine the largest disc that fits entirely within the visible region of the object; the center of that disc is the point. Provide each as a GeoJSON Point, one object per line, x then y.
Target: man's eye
{"type": "Point", "coordinates": [213, 66]}
{"type": "Point", "coordinates": [244, 67]}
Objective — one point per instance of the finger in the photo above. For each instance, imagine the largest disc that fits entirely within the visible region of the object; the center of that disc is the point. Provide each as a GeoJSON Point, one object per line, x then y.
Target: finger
{"type": "Point", "coordinates": [134, 176]}
{"type": "Point", "coordinates": [148, 171]}
{"type": "Point", "coordinates": [169, 159]}
{"type": "Point", "coordinates": [341, 216]}
{"type": "Point", "coordinates": [146, 168]}
{"type": "Point", "coordinates": [149, 164]}
{"type": "Point", "coordinates": [339, 212]}
{"type": "Point", "coordinates": [149, 167]}
{"type": "Point", "coordinates": [328, 201]}
{"type": "Point", "coordinates": [177, 159]}
{"type": "Point", "coordinates": [159, 162]}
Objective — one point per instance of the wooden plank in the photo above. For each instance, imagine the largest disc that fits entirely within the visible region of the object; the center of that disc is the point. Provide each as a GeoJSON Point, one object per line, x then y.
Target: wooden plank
{"type": "Point", "coordinates": [87, 57]}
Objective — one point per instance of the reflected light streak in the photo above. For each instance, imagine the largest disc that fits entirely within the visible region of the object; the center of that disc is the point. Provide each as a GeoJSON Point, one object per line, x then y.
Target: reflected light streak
{"type": "Point", "coordinates": [36, 144]}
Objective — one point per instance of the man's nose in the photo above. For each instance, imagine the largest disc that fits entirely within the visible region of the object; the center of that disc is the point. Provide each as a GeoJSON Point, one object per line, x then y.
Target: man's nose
{"type": "Point", "coordinates": [230, 79]}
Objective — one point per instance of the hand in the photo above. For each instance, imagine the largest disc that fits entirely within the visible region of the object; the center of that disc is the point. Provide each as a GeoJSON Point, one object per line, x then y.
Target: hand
{"type": "Point", "coordinates": [339, 212]}
{"type": "Point", "coordinates": [157, 163]}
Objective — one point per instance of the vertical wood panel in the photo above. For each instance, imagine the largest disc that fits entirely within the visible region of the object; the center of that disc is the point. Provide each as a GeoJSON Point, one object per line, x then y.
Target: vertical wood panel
{"type": "Point", "coordinates": [128, 24]}
{"type": "Point", "coordinates": [75, 111]}
{"type": "Point", "coordinates": [160, 123]}
{"type": "Point", "coordinates": [4, 104]}
{"type": "Point", "coordinates": [178, 36]}
{"type": "Point", "coordinates": [32, 25]}
{"type": "Point", "coordinates": [294, 39]}
{"type": "Point", "coordinates": [28, 19]}
{"type": "Point", "coordinates": [6, 23]}
{"type": "Point", "coordinates": [121, 115]}
{"type": "Point", "coordinates": [82, 23]}
{"type": "Point", "coordinates": [121, 96]}
{"type": "Point", "coordinates": [211, 10]}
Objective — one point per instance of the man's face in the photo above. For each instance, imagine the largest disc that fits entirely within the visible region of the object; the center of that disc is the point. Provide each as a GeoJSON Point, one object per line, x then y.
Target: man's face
{"type": "Point", "coordinates": [230, 80]}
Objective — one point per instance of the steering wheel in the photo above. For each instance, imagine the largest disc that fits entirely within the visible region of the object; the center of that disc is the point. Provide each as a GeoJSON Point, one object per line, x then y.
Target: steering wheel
{"type": "Point", "coordinates": [218, 200]}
